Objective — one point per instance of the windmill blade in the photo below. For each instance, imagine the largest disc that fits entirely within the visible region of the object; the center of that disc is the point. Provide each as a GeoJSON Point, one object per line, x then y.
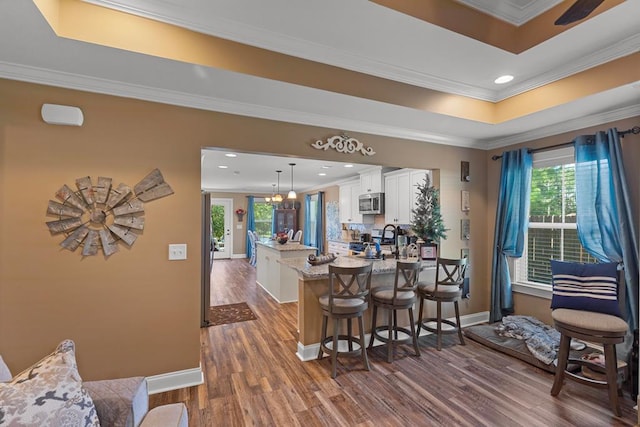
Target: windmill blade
{"type": "Point", "coordinates": [90, 247]}
{"type": "Point", "coordinates": [123, 233]}
{"type": "Point", "coordinates": [75, 239]}
{"type": "Point", "coordinates": [152, 187]}
{"type": "Point", "coordinates": [109, 244]}
{"type": "Point", "coordinates": [102, 189]}
{"type": "Point", "coordinates": [136, 222]}
{"type": "Point", "coordinates": [67, 196]}
{"type": "Point", "coordinates": [64, 225]}
{"type": "Point", "coordinates": [579, 10]}
{"type": "Point", "coordinates": [117, 195]}
{"type": "Point", "coordinates": [129, 207]}
{"type": "Point", "coordinates": [86, 189]}
{"type": "Point", "coordinates": [59, 209]}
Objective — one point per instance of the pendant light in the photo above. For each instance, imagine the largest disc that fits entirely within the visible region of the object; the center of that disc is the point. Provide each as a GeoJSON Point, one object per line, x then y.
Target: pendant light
{"type": "Point", "coordinates": [278, 198]}
{"type": "Point", "coordinates": [292, 194]}
{"type": "Point", "coordinates": [273, 193]}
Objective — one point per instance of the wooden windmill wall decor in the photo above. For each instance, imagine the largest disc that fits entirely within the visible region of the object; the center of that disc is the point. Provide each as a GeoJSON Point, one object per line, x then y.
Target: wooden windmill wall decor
{"type": "Point", "coordinates": [98, 216]}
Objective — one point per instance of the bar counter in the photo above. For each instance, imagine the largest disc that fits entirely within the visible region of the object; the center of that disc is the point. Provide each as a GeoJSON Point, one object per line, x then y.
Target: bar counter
{"type": "Point", "coordinates": [313, 282]}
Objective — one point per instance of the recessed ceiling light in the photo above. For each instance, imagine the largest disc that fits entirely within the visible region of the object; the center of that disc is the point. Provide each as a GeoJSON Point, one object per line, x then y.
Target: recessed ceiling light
{"type": "Point", "coordinates": [322, 174]}
{"type": "Point", "coordinates": [503, 79]}
{"type": "Point", "coordinates": [222, 167]}
{"type": "Point", "coordinates": [348, 165]}
{"type": "Point", "coordinates": [231, 155]}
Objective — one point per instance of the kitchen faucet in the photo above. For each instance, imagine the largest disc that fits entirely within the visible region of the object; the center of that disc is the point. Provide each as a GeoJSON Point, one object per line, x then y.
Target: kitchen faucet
{"type": "Point", "coordinates": [396, 251]}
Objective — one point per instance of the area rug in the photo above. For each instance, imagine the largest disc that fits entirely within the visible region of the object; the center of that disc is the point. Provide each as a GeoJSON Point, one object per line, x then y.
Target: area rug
{"type": "Point", "coordinates": [230, 313]}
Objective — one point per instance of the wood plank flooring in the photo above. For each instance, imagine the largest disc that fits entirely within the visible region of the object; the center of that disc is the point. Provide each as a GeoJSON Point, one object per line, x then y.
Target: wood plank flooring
{"type": "Point", "coordinates": [253, 377]}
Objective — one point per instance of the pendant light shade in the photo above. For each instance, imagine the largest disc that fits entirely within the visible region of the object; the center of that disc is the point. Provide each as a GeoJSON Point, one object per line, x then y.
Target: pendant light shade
{"type": "Point", "coordinates": [292, 194]}
{"type": "Point", "coordinates": [277, 198]}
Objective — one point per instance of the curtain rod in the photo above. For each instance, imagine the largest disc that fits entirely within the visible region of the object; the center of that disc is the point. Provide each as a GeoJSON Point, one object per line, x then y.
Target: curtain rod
{"type": "Point", "coordinates": [634, 130]}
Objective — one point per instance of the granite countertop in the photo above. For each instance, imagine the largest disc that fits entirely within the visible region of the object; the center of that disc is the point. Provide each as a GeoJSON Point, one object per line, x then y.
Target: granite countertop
{"type": "Point", "coordinates": [289, 246]}
{"type": "Point", "coordinates": [321, 271]}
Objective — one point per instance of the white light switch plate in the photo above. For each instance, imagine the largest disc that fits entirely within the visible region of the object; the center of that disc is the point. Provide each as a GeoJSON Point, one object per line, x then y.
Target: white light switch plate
{"type": "Point", "coordinates": [177, 251]}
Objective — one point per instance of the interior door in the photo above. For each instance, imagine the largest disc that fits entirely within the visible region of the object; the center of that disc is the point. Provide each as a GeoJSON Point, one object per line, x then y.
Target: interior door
{"type": "Point", "coordinates": [221, 220]}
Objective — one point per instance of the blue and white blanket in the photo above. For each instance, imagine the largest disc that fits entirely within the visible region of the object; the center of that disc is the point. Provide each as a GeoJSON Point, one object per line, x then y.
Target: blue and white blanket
{"type": "Point", "coordinates": [542, 340]}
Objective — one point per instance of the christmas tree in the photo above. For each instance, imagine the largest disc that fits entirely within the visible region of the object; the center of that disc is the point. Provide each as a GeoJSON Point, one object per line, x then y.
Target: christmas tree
{"type": "Point", "coordinates": [427, 219]}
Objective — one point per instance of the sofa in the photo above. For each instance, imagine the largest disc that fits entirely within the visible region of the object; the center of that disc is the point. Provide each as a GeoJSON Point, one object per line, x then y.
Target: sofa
{"type": "Point", "coordinates": [51, 393]}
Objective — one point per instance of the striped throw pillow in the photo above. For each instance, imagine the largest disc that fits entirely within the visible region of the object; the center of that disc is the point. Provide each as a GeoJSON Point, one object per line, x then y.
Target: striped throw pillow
{"type": "Point", "coordinates": [589, 287]}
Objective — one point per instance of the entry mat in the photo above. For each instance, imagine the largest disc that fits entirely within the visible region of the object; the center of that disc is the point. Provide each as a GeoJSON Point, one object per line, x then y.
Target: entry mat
{"type": "Point", "coordinates": [230, 313]}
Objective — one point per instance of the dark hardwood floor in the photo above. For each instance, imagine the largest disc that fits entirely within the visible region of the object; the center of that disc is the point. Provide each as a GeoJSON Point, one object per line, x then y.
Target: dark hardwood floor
{"type": "Point", "coordinates": [253, 377]}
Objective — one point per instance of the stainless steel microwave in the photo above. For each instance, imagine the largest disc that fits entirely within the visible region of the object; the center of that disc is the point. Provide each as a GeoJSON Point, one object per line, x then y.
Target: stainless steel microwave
{"type": "Point", "coordinates": [371, 204]}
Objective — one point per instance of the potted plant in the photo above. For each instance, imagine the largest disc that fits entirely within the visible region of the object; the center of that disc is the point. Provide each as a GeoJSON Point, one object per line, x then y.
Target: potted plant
{"type": "Point", "coordinates": [427, 220]}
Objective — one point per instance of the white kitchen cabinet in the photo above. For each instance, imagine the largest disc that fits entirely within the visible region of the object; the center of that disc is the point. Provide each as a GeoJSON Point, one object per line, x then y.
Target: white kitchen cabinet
{"type": "Point", "coordinates": [371, 181]}
{"type": "Point", "coordinates": [400, 195]}
{"type": "Point", "coordinates": [349, 211]}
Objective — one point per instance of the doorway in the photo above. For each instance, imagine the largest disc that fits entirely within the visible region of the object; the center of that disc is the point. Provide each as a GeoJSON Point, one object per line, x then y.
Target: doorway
{"type": "Point", "coordinates": [222, 233]}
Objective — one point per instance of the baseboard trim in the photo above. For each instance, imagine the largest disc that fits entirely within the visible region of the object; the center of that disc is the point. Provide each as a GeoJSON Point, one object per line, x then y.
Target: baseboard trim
{"type": "Point", "coordinates": [175, 380]}
{"type": "Point", "coordinates": [310, 352]}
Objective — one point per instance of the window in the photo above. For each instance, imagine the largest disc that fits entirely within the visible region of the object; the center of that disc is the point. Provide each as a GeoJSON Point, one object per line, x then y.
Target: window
{"type": "Point", "coordinates": [263, 218]}
{"type": "Point", "coordinates": [552, 232]}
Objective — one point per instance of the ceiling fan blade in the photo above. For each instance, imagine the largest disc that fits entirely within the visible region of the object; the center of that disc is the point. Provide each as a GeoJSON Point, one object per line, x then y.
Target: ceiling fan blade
{"type": "Point", "coordinates": [579, 10]}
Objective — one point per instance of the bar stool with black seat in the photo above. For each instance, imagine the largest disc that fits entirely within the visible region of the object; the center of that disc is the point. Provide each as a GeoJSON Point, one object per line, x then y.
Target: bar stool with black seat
{"type": "Point", "coordinates": [446, 288]}
{"type": "Point", "coordinates": [595, 286]}
{"type": "Point", "coordinates": [348, 298]}
{"type": "Point", "coordinates": [401, 296]}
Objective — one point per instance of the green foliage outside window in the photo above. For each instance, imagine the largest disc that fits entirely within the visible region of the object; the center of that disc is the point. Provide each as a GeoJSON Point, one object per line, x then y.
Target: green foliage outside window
{"type": "Point", "coordinates": [217, 221]}
{"type": "Point", "coordinates": [263, 215]}
{"type": "Point", "coordinates": [552, 217]}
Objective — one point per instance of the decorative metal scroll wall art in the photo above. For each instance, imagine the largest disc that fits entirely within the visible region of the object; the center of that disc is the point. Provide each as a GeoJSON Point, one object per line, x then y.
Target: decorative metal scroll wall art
{"type": "Point", "coordinates": [98, 216]}
{"type": "Point", "coordinates": [344, 144]}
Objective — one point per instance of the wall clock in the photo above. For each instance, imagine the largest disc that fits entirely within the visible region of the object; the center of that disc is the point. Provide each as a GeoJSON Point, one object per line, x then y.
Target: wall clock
{"type": "Point", "coordinates": [98, 215]}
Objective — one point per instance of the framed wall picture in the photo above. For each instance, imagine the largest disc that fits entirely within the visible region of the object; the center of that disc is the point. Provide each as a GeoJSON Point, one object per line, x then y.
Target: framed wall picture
{"type": "Point", "coordinates": [429, 251]}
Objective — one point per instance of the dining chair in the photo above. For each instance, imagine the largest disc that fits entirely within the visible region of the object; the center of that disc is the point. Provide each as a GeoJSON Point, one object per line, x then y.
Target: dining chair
{"type": "Point", "coordinates": [400, 296]}
{"type": "Point", "coordinates": [252, 243]}
{"type": "Point", "coordinates": [290, 234]}
{"type": "Point", "coordinates": [348, 298]}
{"type": "Point", "coordinates": [446, 288]}
{"type": "Point", "coordinates": [298, 236]}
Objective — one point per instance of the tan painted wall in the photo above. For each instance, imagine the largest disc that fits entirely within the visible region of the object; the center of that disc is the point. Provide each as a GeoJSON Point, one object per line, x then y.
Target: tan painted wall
{"type": "Point", "coordinates": [539, 307]}
{"type": "Point", "coordinates": [137, 313]}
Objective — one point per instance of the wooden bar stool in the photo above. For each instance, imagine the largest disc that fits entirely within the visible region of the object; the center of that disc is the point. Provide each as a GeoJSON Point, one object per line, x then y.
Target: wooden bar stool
{"type": "Point", "coordinates": [592, 327]}
{"type": "Point", "coordinates": [348, 298]}
{"type": "Point", "coordinates": [447, 288]}
{"type": "Point", "coordinates": [402, 296]}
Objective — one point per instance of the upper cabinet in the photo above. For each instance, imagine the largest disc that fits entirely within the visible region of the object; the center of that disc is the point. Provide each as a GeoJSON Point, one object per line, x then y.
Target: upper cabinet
{"type": "Point", "coordinates": [371, 181]}
{"type": "Point", "coordinates": [349, 211]}
{"type": "Point", "coordinates": [400, 194]}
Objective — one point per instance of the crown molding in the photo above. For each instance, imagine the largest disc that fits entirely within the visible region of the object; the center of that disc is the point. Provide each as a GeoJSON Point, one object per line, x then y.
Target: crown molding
{"type": "Point", "coordinates": [566, 126]}
{"type": "Point", "coordinates": [301, 48]}
{"type": "Point", "coordinates": [240, 32]}
{"type": "Point", "coordinates": [164, 96]}
{"type": "Point", "coordinates": [510, 11]}
{"type": "Point", "coordinates": [621, 49]}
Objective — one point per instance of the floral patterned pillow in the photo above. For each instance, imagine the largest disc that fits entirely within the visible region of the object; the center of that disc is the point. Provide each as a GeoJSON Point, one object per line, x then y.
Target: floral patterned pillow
{"type": "Point", "coordinates": [49, 393]}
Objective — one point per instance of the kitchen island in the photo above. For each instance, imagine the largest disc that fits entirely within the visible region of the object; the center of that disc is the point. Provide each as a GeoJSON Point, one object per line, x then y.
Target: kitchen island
{"type": "Point", "coordinates": [279, 281]}
{"type": "Point", "coordinates": [313, 281]}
